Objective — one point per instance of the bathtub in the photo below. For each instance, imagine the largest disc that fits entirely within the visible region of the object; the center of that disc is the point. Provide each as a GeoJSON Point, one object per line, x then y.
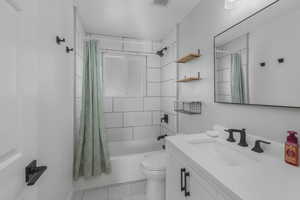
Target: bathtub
{"type": "Point", "coordinates": [125, 161]}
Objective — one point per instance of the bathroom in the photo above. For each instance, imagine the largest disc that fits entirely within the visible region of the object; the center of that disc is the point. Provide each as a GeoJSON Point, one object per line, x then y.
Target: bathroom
{"type": "Point", "coordinates": [196, 99]}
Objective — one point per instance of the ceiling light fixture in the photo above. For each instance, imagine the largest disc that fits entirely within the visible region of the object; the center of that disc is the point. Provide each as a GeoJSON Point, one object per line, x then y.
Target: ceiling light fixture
{"type": "Point", "coordinates": [231, 4]}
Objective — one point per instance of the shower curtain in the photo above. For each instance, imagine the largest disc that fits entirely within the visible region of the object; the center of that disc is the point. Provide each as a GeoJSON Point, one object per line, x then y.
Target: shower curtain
{"type": "Point", "coordinates": [91, 151]}
{"type": "Point", "coordinates": [237, 82]}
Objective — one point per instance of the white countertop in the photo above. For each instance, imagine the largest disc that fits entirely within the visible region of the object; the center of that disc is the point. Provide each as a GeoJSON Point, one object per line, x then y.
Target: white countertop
{"type": "Point", "coordinates": [268, 179]}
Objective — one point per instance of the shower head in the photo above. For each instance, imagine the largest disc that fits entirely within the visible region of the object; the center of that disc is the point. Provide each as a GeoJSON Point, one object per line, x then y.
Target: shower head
{"type": "Point", "coordinates": [161, 52]}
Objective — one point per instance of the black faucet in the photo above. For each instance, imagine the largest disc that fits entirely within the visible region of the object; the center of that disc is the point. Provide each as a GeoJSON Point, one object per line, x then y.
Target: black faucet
{"type": "Point", "coordinates": [243, 142]}
{"type": "Point", "coordinates": [161, 137]}
{"type": "Point", "coordinates": [230, 137]}
{"type": "Point", "coordinates": [257, 148]}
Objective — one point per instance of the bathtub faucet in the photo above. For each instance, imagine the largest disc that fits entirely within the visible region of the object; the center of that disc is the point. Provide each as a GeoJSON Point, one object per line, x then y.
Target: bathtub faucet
{"type": "Point", "coordinates": [161, 137]}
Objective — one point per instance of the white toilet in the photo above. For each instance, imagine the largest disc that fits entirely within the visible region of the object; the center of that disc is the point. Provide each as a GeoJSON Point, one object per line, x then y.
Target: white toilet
{"type": "Point", "coordinates": [154, 168]}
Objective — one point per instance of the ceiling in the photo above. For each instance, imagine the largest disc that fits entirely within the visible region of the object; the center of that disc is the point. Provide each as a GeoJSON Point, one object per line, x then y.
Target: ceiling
{"type": "Point", "coordinates": [133, 18]}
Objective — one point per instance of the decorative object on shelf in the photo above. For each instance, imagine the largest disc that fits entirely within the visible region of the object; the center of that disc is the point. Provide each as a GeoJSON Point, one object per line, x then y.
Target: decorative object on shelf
{"type": "Point", "coordinates": [188, 107]}
{"type": "Point", "coordinates": [189, 57]}
{"type": "Point", "coordinates": [33, 173]}
{"type": "Point", "coordinates": [68, 49]}
{"type": "Point", "coordinates": [60, 40]}
{"type": "Point", "coordinates": [189, 79]}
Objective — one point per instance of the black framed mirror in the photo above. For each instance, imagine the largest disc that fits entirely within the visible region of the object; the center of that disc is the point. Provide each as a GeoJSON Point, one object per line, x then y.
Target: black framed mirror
{"type": "Point", "coordinates": [257, 61]}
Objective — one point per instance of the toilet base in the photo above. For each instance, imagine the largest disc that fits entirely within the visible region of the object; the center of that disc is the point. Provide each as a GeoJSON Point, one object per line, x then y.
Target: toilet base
{"type": "Point", "coordinates": [155, 189]}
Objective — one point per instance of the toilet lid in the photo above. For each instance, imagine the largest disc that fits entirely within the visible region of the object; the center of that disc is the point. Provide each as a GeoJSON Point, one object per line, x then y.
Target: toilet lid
{"type": "Point", "coordinates": [155, 162]}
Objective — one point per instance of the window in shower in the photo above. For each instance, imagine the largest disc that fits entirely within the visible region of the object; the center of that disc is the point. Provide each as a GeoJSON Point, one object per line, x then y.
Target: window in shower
{"type": "Point", "coordinates": [124, 75]}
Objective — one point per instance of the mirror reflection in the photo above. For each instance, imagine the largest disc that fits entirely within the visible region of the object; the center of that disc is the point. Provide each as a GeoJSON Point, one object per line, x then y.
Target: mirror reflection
{"type": "Point", "coordinates": [256, 61]}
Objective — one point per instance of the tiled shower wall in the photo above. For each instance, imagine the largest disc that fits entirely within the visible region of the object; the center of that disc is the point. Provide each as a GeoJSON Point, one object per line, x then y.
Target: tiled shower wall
{"type": "Point", "coordinates": [134, 118]}
{"type": "Point", "coordinates": [168, 82]}
{"type": "Point", "coordinates": [127, 118]}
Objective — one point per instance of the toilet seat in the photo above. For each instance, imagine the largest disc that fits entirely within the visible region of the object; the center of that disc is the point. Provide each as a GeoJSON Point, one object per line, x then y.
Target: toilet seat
{"type": "Point", "coordinates": [155, 162]}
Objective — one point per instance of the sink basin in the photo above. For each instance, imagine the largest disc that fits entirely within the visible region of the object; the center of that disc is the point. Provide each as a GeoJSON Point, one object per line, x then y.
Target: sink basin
{"type": "Point", "coordinates": [223, 153]}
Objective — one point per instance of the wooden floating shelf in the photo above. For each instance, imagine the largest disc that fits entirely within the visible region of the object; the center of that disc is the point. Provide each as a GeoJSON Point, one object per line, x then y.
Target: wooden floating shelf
{"type": "Point", "coordinates": [189, 57]}
{"type": "Point", "coordinates": [188, 79]}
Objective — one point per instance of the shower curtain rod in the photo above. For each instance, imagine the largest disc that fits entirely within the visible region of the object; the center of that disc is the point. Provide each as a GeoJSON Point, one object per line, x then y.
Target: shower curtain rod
{"type": "Point", "coordinates": [100, 36]}
{"type": "Point", "coordinates": [139, 53]}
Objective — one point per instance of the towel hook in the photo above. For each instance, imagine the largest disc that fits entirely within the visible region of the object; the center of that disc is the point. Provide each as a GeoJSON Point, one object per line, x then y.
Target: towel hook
{"type": "Point", "coordinates": [59, 40]}
{"type": "Point", "coordinates": [68, 49]}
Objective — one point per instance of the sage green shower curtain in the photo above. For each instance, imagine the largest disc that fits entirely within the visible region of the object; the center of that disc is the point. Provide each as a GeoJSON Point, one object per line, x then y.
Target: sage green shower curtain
{"type": "Point", "coordinates": [237, 82]}
{"type": "Point", "coordinates": [91, 151]}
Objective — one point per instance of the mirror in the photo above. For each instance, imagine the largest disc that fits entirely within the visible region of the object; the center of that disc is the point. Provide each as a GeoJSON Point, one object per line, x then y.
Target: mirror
{"type": "Point", "coordinates": [124, 75]}
{"type": "Point", "coordinates": [257, 61]}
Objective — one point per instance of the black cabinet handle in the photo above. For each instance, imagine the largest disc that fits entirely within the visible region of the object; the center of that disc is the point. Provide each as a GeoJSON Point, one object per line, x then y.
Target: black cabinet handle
{"type": "Point", "coordinates": [182, 184]}
{"type": "Point", "coordinates": [186, 192]}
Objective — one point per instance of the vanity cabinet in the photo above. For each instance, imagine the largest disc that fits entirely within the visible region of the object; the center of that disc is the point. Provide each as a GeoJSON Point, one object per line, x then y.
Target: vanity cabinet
{"type": "Point", "coordinates": [182, 183]}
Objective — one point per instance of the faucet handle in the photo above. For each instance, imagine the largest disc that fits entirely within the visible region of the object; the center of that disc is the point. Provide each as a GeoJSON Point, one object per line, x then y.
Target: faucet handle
{"type": "Point", "coordinates": [230, 137]}
{"type": "Point", "coordinates": [257, 148]}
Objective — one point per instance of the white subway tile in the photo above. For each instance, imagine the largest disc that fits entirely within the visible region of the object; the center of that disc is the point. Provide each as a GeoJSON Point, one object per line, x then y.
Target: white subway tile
{"type": "Point", "coordinates": [96, 194]}
{"type": "Point", "coordinates": [153, 74]}
{"type": "Point", "coordinates": [172, 123]}
{"type": "Point", "coordinates": [113, 120]}
{"type": "Point", "coordinates": [138, 188]}
{"type": "Point", "coordinates": [167, 104]}
{"type": "Point", "coordinates": [153, 89]}
{"type": "Point", "coordinates": [118, 192]}
{"type": "Point", "coordinates": [107, 104]}
{"type": "Point", "coordinates": [168, 89]}
{"type": "Point", "coordinates": [151, 103]}
{"type": "Point", "coordinates": [127, 104]}
{"type": "Point", "coordinates": [137, 119]}
{"type": "Point", "coordinates": [156, 117]}
{"type": "Point", "coordinates": [119, 134]}
{"type": "Point", "coordinates": [168, 72]}
{"type": "Point", "coordinates": [153, 61]}
{"type": "Point", "coordinates": [146, 132]}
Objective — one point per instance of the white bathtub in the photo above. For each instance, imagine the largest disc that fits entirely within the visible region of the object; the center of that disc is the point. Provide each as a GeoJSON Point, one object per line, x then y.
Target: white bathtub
{"type": "Point", "coordinates": [125, 161]}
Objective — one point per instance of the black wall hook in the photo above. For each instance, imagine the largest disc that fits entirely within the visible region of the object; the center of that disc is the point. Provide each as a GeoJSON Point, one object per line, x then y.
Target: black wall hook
{"type": "Point", "coordinates": [60, 40]}
{"type": "Point", "coordinates": [33, 173]}
{"type": "Point", "coordinates": [262, 64]}
{"type": "Point", "coordinates": [68, 49]}
{"type": "Point", "coordinates": [280, 60]}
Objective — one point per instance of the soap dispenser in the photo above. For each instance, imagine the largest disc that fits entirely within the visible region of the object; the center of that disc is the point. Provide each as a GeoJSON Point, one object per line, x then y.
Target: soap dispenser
{"type": "Point", "coordinates": [292, 149]}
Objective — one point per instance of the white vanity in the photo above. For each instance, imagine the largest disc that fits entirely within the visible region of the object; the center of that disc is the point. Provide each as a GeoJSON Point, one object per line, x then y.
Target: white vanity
{"type": "Point", "coordinates": [201, 167]}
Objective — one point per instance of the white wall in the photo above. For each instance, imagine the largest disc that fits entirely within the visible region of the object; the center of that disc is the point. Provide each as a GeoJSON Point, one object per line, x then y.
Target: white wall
{"type": "Point", "coordinates": [168, 79]}
{"type": "Point", "coordinates": [55, 96]}
{"type": "Point", "coordinates": [196, 31]}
